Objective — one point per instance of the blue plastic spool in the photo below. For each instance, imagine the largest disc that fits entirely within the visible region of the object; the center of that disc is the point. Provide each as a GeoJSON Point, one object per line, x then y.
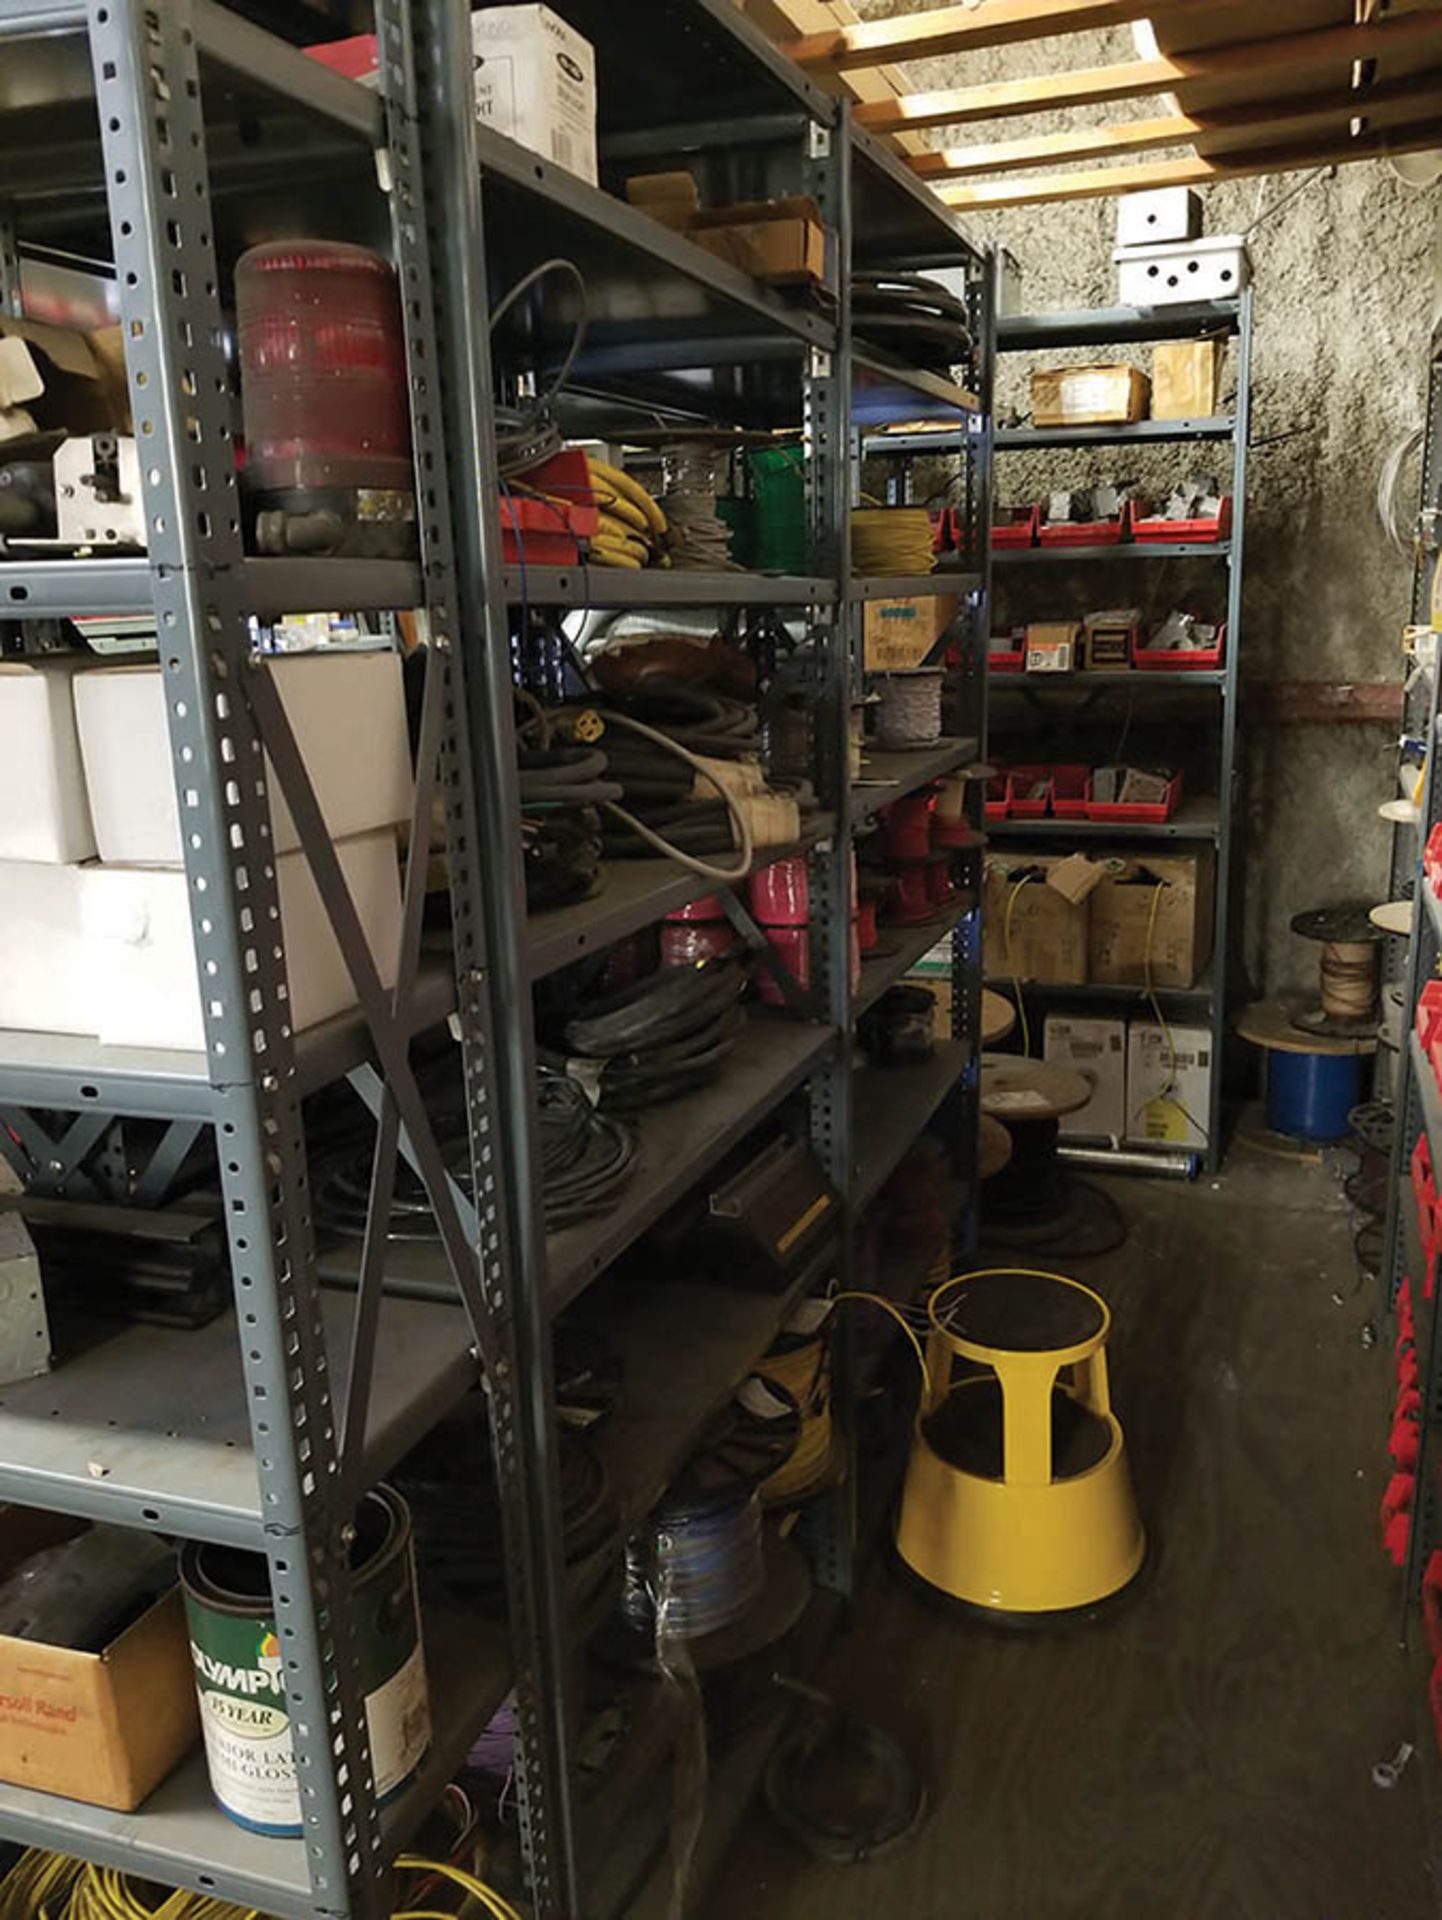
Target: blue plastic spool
{"type": "Point", "coordinates": [1310, 1095]}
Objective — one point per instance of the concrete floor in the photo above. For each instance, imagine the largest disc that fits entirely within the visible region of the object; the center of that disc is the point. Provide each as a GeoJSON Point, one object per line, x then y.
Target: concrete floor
{"type": "Point", "coordinates": [1206, 1754]}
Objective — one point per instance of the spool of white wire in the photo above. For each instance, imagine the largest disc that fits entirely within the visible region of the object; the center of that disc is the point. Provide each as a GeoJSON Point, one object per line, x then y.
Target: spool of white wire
{"type": "Point", "coordinates": [910, 711]}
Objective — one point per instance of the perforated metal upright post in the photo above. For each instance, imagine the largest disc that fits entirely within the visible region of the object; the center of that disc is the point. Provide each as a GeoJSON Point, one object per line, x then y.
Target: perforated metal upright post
{"type": "Point", "coordinates": [432, 129]}
{"type": "Point", "coordinates": [153, 142]}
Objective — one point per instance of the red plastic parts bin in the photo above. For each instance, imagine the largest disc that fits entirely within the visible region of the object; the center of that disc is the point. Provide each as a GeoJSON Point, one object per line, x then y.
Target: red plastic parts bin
{"type": "Point", "coordinates": [1069, 793]}
{"type": "Point", "coordinates": [547, 532]}
{"type": "Point", "coordinates": [998, 796]}
{"type": "Point", "coordinates": [1007, 660]}
{"type": "Point", "coordinates": [1185, 532]}
{"type": "Point", "coordinates": [1084, 533]}
{"type": "Point", "coordinates": [1136, 812]}
{"type": "Point", "coordinates": [1030, 789]}
{"type": "Point", "coordinates": [1432, 1603]}
{"type": "Point", "coordinates": [1019, 528]}
{"type": "Point", "coordinates": [1194, 660]}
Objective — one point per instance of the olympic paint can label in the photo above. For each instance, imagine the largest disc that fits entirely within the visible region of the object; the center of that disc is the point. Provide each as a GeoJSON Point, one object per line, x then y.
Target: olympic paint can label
{"type": "Point", "coordinates": [240, 1669]}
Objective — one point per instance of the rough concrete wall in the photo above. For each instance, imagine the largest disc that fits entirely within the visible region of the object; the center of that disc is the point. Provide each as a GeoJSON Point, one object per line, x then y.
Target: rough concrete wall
{"type": "Point", "coordinates": [1344, 292]}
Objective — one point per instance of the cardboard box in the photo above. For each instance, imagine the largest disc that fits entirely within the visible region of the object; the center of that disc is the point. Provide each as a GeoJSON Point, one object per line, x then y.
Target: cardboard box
{"type": "Point", "coordinates": [1167, 1107]}
{"type": "Point", "coordinates": [1047, 933]}
{"type": "Point", "coordinates": [1123, 926]}
{"type": "Point", "coordinates": [1163, 213]}
{"type": "Point", "coordinates": [899, 634]}
{"type": "Point", "coordinates": [105, 1728]}
{"type": "Point", "coordinates": [535, 81]}
{"type": "Point", "coordinates": [672, 198]}
{"type": "Point", "coordinates": [44, 975]}
{"type": "Point", "coordinates": [780, 240]}
{"type": "Point", "coordinates": [1096, 1049]}
{"type": "Point", "coordinates": [1052, 646]}
{"type": "Point", "coordinates": [145, 980]}
{"type": "Point", "coordinates": [55, 379]}
{"type": "Point", "coordinates": [1108, 638]}
{"type": "Point", "coordinates": [1186, 377]}
{"type": "Point", "coordinates": [44, 811]}
{"type": "Point", "coordinates": [1088, 396]}
{"type": "Point", "coordinates": [347, 711]}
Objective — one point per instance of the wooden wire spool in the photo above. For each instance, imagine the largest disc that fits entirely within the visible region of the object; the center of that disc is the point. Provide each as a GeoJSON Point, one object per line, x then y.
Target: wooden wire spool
{"type": "Point", "coordinates": [1033, 1198]}
{"type": "Point", "coordinates": [1349, 970]}
{"type": "Point", "coordinates": [993, 1144]}
{"type": "Point", "coordinates": [998, 1018]}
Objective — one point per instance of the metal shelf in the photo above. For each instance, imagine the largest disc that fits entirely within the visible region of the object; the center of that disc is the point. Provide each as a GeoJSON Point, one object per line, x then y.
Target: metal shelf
{"type": "Point", "coordinates": [1193, 820]}
{"type": "Point", "coordinates": [1116, 326]}
{"type": "Point", "coordinates": [1429, 1095]}
{"type": "Point", "coordinates": [908, 945]}
{"type": "Point", "coordinates": [1101, 994]}
{"type": "Point", "coordinates": [893, 1105]}
{"type": "Point", "coordinates": [150, 1428]}
{"type": "Point", "coordinates": [1121, 550]}
{"type": "Point", "coordinates": [886, 390]}
{"type": "Point", "coordinates": [1130, 677]}
{"type": "Point", "coordinates": [611, 587]}
{"type": "Point", "coordinates": [886, 776]}
{"type": "Point", "coordinates": [1218, 427]}
{"type": "Point", "coordinates": [908, 586]}
{"type": "Point", "coordinates": [63, 589]}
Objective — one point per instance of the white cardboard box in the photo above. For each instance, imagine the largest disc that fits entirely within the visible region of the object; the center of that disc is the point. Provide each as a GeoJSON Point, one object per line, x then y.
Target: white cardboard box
{"type": "Point", "coordinates": [1163, 214]}
{"type": "Point", "coordinates": [44, 980]}
{"type": "Point", "coordinates": [44, 813]}
{"type": "Point", "coordinates": [145, 983]}
{"type": "Point", "coordinates": [347, 711]}
{"type": "Point", "coordinates": [1096, 1049]}
{"type": "Point", "coordinates": [535, 81]}
{"type": "Point", "coordinates": [1159, 1115]}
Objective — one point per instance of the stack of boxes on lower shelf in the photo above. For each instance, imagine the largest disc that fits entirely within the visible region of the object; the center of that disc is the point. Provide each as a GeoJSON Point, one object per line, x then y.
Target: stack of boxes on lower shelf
{"type": "Point", "coordinates": [1066, 920]}
{"type": "Point", "coordinates": [103, 946]}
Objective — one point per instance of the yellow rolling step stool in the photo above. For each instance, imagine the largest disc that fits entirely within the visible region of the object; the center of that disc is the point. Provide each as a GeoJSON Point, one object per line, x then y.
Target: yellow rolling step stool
{"type": "Point", "coordinates": [1018, 1497]}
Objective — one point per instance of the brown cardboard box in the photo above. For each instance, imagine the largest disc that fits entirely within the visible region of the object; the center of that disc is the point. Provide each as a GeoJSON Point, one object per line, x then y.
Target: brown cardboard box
{"type": "Point", "coordinates": [1108, 638]}
{"type": "Point", "coordinates": [899, 634]}
{"type": "Point", "coordinates": [1181, 935]}
{"type": "Point", "coordinates": [55, 379]}
{"type": "Point", "coordinates": [106, 1727]}
{"type": "Point", "coordinates": [1052, 646]}
{"type": "Point", "coordinates": [672, 198]}
{"type": "Point", "coordinates": [1185, 378]}
{"type": "Point", "coordinates": [769, 239]}
{"type": "Point", "coordinates": [1048, 933]}
{"type": "Point", "coordinates": [1088, 396]}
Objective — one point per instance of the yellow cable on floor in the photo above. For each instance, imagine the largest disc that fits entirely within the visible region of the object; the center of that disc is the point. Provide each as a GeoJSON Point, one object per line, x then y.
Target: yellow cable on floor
{"type": "Point", "coordinates": [877, 1300]}
{"type": "Point", "coordinates": [1012, 969]}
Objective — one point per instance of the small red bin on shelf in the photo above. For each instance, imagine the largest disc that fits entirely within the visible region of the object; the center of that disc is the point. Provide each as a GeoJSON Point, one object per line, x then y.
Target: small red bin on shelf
{"type": "Point", "coordinates": [1187, 660]}
{"type": "Point", "coordinates": [1083, 533]}
{"type": "Point", "coordinates": [998, 795]}
{"type": "Point", "coordinates": [1139, 812]}
{"type": "Point", "coordinates": [1069, 792]}
{"type": "Point", "coordinates": [1015, 526]}
{"type": "Point", "coordinates": [1155, 531]}
{"type": "Point", "coordinates": [1030, 792]}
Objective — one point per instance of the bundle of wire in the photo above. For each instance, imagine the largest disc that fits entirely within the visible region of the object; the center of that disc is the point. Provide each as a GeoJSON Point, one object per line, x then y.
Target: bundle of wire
{"type": "Point", "coordinates": [586, 1160]}
{"type": "Point", "coordinates": [802, 1368]}
{"type": "Point", "coordinates": [527, 434]}
{"type": "Point", "coordinates": [633, 530]}
{"type": "Point", "coordinates": [699, 1571]}
{"type": "Point", "coordinates": [910, 714]}
{"type": "Point", "coordinates": [661, 1037]}
{"type": "Point", "coordinates": [891, 540]}
{"type": "Point", "coordinates": [699, 539]}
{"type": "Point", "coordinates": [561, 788]}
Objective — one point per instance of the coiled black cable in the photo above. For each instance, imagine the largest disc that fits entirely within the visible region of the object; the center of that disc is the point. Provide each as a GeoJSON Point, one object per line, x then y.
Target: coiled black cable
{"type": "Point", "coordinates": [660, 1037]}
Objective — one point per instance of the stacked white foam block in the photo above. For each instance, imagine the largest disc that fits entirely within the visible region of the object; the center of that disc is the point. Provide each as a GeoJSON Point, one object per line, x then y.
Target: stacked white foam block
{"type": "Point", "coordinates": [106, 947]}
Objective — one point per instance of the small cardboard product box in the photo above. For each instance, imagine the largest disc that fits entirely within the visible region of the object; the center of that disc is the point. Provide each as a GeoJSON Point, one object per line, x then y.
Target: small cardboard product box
{"type": "Point", "coordinates": [1129, 923]}
{"type": "Point", "coordinates": [1097, 1050]}
{"type": "Point", "coordinates": [1053, 646]}
{"type": "Point", "coordinates": [777, 240]}
{"type": "Point", "coordinates": [899, 634]}
{"type": "Point", "coordinates": [1186, 378]}
{"type": "Point", "coordinates": [1030, 930]}
{"type": "Point", "coordinates": [45, 984]}
{"type": "Point", "coordinates": [347, 711]}
{"type": "Point", "coordinates": [145, 980]}
{"type": "Point", "coordinates": [1089, 396]}
{"type": "Point", "coordinates": [1167, 1104]}
{"type": "Point", "coordinates": [1109, 637]}
{"type": "Point", "coordinates": [44, 810]}
{"type": "Point", "coordinates": [535, 81]}
{"type": "Point", "coordinates": [107, 1727]}
{"type": "Point", "coordinates": [672, 198]}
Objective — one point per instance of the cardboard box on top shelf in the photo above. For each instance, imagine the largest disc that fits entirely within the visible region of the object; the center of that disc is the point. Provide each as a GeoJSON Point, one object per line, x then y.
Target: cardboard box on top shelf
{"type": "Point", "coordinates": [535, 81]}
{"type": "Point", "coordinates": [673, 199]}
{"type": "Point", "coordinates": [347, 710]}
{"type": "Point", "coordinates": [1169, 1085]}
{"type": "Point", "coordinates": [44, 810]}
{"type": "Point", "coordinates": [899, 634]}
{"type": "Point", "coordinates": [1129, 921]}
{"type": "Point", "coordinates": [55, 380]}
{"type": "Point", "coordinates": [777, 240]}
{"type": "Point", "coordinates": [1186, 378]}
{"type": "Point", "coordinates": [146, 985]}
{"type": "Point", "coordinates": [104, 1728]}
{"type": "Point", "coordinates": [1098, 396]}
{"type": "Point", "coordinates": [1096, 1049]}
{"type": "Point", "coordinates": [1030, 930]}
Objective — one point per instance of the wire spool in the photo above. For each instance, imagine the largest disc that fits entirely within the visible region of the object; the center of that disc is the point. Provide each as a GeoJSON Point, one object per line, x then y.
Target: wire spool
{"type": "Point", "coordinates": [892, 540]}
{"type": "Point", "coordinates": [699, 540]}
{"type": "Point", "coordinates": [1034, 1200]}
{"type": "Point", "coordinates": [910, 712]}
{"type": "Point", "coordinates": [800, 1365]}
{"type": "Point", "coordinates": [1349, 969]}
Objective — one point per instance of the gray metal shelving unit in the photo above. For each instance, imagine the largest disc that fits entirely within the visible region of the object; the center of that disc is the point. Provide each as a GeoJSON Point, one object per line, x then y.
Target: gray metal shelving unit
{"type": "Point", "coordinates": [180, 129]}
{"type": "Point", "coordinates": [1210, 698]}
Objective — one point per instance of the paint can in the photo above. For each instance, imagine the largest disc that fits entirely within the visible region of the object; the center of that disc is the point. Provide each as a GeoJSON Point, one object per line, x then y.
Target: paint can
{"type": "Point", "coordinates": [1310, 1096]}
{"type": "Point", "coordinates": [239, 1667]}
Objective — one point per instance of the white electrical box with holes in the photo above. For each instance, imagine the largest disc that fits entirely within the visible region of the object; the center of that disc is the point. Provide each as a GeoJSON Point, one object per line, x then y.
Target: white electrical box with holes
{"type": "Point", "coordinates": [1169, 275]}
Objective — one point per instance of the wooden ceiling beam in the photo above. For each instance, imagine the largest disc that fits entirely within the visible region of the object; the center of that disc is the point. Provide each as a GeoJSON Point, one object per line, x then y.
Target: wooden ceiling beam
{"type": "Point", "coordinates": [1288, 55]}
{"type": "Point", "coordinates": [1271, 123]}
{"type": "Point", "coordinates": [1193, 171]}
{"type": "Point", "coordinates": [967, 29]}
